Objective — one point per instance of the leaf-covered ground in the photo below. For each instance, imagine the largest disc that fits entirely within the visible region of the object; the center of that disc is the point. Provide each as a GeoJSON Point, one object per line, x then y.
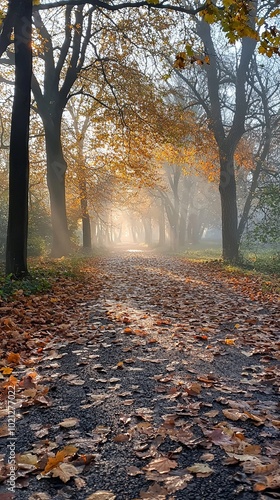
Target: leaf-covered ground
{"type": "Point", "coordinates": [153, 377]}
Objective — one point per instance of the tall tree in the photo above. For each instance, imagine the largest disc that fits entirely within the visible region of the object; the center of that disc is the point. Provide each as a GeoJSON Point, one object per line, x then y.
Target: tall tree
{"type": "Point", "coordinates": [60, 73]}
{"type": "Point", "coordinates": [19, 17]}
{"type": "Point", "coordinates": [227, 138]}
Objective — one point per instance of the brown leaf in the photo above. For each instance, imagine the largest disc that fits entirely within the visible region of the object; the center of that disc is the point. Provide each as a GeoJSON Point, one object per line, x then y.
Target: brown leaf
{"type": "Point", "coordinates": [4, 431]}
{"type": "Point", "coordinates": [218, 437]}
{"type": "Point", "coordinates": [155, 492]}
{"type": "Point", "coordinates": [69, 422]}
{"type": "Point", "coordinates": [121, 438]}
{"type": "Point", "coordinates": [193, 389]}
{"type": "Point", "coordinates": [232, 414]}
{"type": "Point", "coordinates": [134, 471]}
{"type": "Point", "coordinates": [178, 482]}
{"type": "Point", "coordinates": [161, 465]}
{"type": "Point", "coordinates": [200, 468]}
{"type": "Point", "coordinates": [65, 471]}
{"type": "Point", "coordinates": [102, 495]}
{"type": "Point", "coordinates": [40, 495]}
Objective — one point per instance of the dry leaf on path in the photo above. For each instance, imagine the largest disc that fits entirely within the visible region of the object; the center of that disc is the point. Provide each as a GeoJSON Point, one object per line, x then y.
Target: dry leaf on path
{"type": "Point", "coordinates": [69, 422]}
{"type": "Point", "coordinates": [178, 482]}
{"type": "Point", "coordinates": [65, 471]}
{"type": "Point", "coordinates": [59, 457]}
{"type": "Point", "coordinates": [199, 468]}
{"type": "Point", "coordinates": [102, 495]}
{"type": "Point", "coordinates": [161, 465]}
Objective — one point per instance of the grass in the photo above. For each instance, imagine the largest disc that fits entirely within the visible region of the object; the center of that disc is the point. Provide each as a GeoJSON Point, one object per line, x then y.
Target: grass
{"type": "Point", "coordinates": [205, 250]}
{"type": "Point", "coordinates": [43, 274]}
{"type": "Point", "coordinates": [262, 260]}
{"type": "Point", "coordinates": [263, 264]}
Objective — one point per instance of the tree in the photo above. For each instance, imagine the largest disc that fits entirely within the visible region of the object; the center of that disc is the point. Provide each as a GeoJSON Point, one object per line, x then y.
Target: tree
{"type": "Point", "coordinates": [59, 77]}
{"type": "Point", "coordinates": [19, 17]}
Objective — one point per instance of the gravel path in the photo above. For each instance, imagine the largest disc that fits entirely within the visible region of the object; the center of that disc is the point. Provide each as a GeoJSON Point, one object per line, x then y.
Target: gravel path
{"type": "Point", "coordinates": [177, 366]}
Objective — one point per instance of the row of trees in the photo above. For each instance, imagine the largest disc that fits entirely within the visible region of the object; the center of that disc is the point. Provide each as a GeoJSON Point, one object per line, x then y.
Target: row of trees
{"type": "Point", "coordinates": [94, 70]}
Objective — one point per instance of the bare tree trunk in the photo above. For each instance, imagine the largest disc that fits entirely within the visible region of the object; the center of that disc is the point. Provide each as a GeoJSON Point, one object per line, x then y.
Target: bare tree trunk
{"type": "Point", "coordinates": [227, 188]}
{"type": "Point", "coordinates": [85, 216]}
{"type": "Point", "coordinates": [56, 168]}
{"type": "Point", "coordinates": [161, 225]}
{"type": "Point", "coordinates": [16, 251]}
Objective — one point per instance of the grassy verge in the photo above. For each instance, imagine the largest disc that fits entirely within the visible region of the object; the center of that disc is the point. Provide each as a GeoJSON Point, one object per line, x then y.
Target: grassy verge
{"type": "Point", "coordinates": [43, 274]}
{"type": "Point", "coordinates": [264, 264]}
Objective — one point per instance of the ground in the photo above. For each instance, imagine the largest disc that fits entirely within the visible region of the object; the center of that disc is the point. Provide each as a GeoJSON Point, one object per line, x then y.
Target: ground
{"type": "Point", "coordinates": [151, 377]}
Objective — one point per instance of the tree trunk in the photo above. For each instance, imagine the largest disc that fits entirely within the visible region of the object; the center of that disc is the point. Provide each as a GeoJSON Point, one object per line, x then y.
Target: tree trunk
{"type": "Point", "coordinates": [56, 169]}
{"type": "Point", "coordinates": [16, 251]}
{"type": "Point", "coordinates": [161, 225]}
{"type": "Point", "coordinates": [85, 216]}
{"type": "Point", "coordinates": [227, 188]}
{"type": "Point", "coordinates": [148, 230]}
{"type": "Point", "coordinates": [187, 183]}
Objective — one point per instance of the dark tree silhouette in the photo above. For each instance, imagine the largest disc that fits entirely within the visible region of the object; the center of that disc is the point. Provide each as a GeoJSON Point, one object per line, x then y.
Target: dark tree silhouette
{"type": "Point", "coordinates": [19, 18]}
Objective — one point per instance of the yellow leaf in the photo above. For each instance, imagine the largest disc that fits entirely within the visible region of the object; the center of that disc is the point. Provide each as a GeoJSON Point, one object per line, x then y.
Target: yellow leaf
{"type": "Point", "coordinates": [6, 370]}
{"type": "Point", "coordinates": [27, 458]}
{"type": "Point", "coordinates": [229, 341]}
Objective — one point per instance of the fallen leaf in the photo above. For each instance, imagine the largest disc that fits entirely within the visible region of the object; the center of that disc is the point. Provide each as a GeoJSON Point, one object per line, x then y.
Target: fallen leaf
{"type": "Point", "coordinates": [102, 495]}
{"type": "Point", "coordinates": [59, 457]}
{"type": "Point", "coordinates": [65, 471]}
{"type": "Point", "coordinates": [178, 482]}
{"type": "Point", "coordinates": [68, 422]}
{"type": "Point", "coordinates": [155, 492]}
{"type": "Point", "coordinates": [200, 468]}
{"type": "Point", "coordinates": [161, 465]}
{"type": "Point", "coordinates": [134, 471]}
{"type": "Point", "coordinates": [232, 414]}
{"type": "Point", "coordinates": [13, 358]}
{"type": "Point", "coordinates": [27, 458]}
{"type": "Point", "coordinates": [40, 495]}
{"type": "Point", "coordinates": [6, 370]}
{"type": "Point", "coordinates": [4, 431]}
{"type": "Point", "coordinates": [121, 438]}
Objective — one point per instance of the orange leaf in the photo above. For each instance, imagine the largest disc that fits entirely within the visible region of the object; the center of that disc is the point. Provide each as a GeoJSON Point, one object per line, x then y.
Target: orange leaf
{"type": "Point", "coordinates": [229, 341]}
{"type": "Point", "coordinates": [11, 381]}
{"type": "Point", "coordinates": [59, 457]}
{"type": "Point", "coordinates": [13, 358]}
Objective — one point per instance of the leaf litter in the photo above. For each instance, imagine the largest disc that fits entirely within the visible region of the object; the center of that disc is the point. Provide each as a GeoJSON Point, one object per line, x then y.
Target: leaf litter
{"type": "Point", "coordinates": [203, 358]}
